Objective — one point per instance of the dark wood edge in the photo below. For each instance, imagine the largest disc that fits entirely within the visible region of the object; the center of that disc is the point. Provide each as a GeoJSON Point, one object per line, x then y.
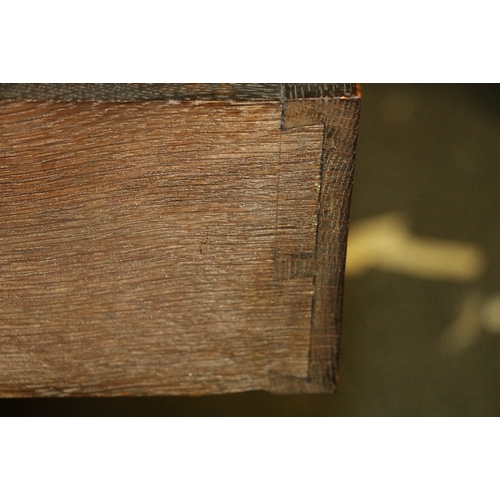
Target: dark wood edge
{"type": "Point", "coordinates": [123, 92]}
{"type": "Point", "coordinates": [295, 91]}
{"type": "Point", "coordinates": [340, 118]}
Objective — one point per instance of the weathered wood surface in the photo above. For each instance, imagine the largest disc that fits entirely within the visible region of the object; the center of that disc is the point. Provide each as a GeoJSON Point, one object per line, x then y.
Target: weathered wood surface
{"type": "Point", "coordinates": [173, 245]}
{"type": "Point", "coordinates": [124, 92]}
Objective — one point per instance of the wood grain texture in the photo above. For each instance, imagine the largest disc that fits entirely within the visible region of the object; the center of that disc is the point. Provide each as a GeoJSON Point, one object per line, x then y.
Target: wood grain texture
{"type": "Point", "coordinates": [339, 119]}
{"type": "Point", "coordinates": [124, 92]}
{"type": "Point", "coordinates": [172, 247]}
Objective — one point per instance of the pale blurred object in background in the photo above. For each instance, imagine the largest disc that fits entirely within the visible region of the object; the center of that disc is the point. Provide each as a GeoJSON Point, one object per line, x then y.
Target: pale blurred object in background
{"type": "Point", "coordinates": [385, 242]}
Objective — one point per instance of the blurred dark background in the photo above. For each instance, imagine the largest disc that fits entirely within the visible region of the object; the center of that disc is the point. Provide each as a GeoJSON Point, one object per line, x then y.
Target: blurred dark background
{"type": "Point", "coordinates": [416, 341]}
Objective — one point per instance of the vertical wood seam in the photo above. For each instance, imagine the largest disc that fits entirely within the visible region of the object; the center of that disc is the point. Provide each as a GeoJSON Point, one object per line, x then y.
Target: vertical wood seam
{"type": "Point", "coordinates": [340, 117]}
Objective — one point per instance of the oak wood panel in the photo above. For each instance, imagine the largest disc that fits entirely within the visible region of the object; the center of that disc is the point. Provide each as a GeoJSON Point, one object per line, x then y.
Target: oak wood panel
{"type": "Point", "coordinates": [138, 245]}
{"type": "Point", "coordinates": [173, 238]}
